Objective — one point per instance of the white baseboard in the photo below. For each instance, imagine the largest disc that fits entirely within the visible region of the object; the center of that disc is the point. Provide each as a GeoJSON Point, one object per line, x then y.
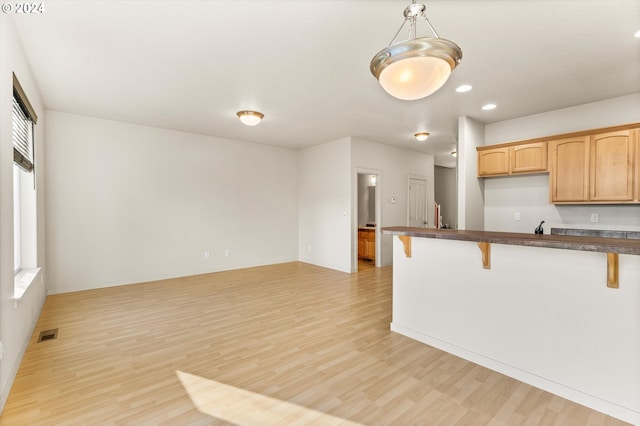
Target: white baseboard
{"type": "Point", "coordinates": [610, 408]}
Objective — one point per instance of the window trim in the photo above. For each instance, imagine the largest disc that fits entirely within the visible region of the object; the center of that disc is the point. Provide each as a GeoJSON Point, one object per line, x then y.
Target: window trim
{"type": "Point", "coordinates": [25, 118]}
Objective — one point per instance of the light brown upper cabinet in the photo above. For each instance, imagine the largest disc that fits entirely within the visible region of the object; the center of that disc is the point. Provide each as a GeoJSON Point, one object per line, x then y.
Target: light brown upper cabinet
{"type": "Point", "coordinates": [600, 166]}
{"type": "Point", "coordinates": [493, 162]}
{"type": "Point", "coordinates": [529, 158]}
{"type": "Point", "coordinates": [569, 169]}
{"type": "Point", "coordinates": [515, 158]}
{"type": "Point", "coordinates": [613, 164]}
{"type": "Point", "coordinates": [636, 136]}
{"type": "Point", "coordinates": [596, 168]}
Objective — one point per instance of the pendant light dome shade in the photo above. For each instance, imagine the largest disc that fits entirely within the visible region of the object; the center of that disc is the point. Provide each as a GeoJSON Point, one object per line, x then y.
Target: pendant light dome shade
{"type": "Point", "coordinates": [417, 67]}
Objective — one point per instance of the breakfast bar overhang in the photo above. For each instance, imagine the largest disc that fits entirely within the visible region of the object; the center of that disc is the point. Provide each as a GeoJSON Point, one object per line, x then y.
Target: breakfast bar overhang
{"type": "Point", "coordinates": [559, 312]}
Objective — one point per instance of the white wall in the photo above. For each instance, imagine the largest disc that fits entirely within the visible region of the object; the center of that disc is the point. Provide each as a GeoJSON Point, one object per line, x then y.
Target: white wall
{"type": "Point", "coordinates": [470, 203]}
{"type": "Point", "coordinates": [130, 203]}
{"type": "Point", "coordinates": [328, 197]}
{"type": "Point", "coordinates": [446, 194]}
{"type": "Point", "coordinates": [17, 321]}
{"type": "Point", "coordinates": [529, 195]}
{"type": "Point", "coordinates": [610, 112]}
{"type": "Point", "coordinates": [395, 165]}
{"type": "Point", "coordinates": [324, 205]}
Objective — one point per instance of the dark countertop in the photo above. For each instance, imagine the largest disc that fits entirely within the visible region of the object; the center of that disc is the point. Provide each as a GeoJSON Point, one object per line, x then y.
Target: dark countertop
{"type": "Point", "coordinates": [567, 242]}
{"type": "Point", "coordinates": [632, 235]}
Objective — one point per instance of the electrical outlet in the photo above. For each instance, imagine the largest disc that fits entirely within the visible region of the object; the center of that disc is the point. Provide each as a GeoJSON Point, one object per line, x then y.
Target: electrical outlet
{"type": "Point", "coordinates": [595, 217]}
{"type": "Point", "coordinates": [206, 255]}
{"type": "Point", "coordinates": [227, 253]}
{"type": "Point", "coordinates": [516, 216]}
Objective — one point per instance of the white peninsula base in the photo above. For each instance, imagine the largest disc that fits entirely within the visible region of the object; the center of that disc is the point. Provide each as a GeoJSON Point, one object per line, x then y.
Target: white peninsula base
{"type": "Point", "coordinates": [543, 316]}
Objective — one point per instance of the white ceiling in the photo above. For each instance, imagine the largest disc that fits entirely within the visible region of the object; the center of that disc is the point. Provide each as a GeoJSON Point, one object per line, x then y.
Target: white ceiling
{"type": "Point", "coordinates": [190, 65]}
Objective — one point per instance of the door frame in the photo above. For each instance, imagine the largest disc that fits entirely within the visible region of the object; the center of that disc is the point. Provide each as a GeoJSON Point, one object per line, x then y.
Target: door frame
{"type": "Point", "coordinates": [354, 215]}
{"type": "Point", "coordinates": [426, 194]}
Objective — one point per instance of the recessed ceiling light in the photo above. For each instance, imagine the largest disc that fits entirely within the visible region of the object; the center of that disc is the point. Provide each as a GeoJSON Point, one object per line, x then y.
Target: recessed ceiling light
{"type": "Point", "coordinates": [637, 34]}
{"type": "Point", "coordinates": [422, 136]}
{"type": "Point", "coordinates": [489, 107]}
{"type": "Point", "coordinates": [463, 88]}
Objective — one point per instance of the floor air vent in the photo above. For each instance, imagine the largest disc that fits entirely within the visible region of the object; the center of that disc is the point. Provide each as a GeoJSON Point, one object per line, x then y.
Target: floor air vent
{"type": "Point", "coordinates": [48, 335]}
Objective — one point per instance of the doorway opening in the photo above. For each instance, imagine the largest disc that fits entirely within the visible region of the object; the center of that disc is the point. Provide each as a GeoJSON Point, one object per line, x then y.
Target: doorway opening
{"type": "Point", "coordinates": [367, 247]}
{"type": "Point", "coordinates": [446, 195]}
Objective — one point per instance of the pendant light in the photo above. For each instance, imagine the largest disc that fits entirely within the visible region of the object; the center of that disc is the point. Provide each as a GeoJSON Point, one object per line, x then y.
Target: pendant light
{"type": "Point", "coordinates": [417, 67]}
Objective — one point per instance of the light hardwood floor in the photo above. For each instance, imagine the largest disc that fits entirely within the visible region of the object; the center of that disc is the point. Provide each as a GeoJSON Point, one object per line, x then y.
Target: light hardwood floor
{"type": "Point", "coordinates": [281, 344]}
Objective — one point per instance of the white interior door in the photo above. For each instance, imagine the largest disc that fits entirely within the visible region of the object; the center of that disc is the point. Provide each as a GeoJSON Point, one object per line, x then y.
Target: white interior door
{"type": "Point", "coordinates": [417, 208]}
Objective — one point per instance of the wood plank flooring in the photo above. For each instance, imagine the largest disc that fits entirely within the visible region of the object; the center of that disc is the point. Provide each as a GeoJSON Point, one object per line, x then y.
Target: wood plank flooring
{"type": "Point", "coordinates": [280, 344]}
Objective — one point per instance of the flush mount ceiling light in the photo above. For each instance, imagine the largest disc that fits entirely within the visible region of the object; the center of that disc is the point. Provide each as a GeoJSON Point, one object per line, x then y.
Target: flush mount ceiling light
{"type": "Point", "coordinates": [250, 118]}
{"type": "Point", "coordinates": [417, 67]}
{"type": "Point", "coordinates": [422, 136]}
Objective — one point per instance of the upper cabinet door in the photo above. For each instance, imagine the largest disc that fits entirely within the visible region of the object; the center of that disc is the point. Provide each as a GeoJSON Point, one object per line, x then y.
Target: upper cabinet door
{"type": "Point", "coordinates": [493, 162]}
{"type": "Point", "coordinates": [612, 166]}
{"type": "Point", "coordinates": [529, 158]}
{"type": "Point", "coordinates": [635, 134]}
{"type": "Point", "coordinates": [569, 169]}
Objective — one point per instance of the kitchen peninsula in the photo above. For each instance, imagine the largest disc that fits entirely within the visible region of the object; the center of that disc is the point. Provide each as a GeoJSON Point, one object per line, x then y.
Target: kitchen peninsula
{"type": "Point", "coordinates": [559, 312]}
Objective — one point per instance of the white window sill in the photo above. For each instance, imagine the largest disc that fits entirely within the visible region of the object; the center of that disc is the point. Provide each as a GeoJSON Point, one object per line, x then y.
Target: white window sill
{"type": "Point", "coordinates": [22, 281]}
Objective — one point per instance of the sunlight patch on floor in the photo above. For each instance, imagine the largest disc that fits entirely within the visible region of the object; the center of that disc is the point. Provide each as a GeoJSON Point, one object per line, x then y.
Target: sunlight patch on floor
{"type": "Point", "coordinates": [243, 407]}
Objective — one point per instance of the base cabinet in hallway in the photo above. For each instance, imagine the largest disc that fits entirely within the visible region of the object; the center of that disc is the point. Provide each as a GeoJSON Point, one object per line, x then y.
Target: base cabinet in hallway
{"type": "Point", "coordinates": [366, 243]}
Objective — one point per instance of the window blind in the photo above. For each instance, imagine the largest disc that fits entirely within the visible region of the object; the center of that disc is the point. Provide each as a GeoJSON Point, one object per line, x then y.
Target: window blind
{"type": "Point", "coordinates": [22, 138]}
